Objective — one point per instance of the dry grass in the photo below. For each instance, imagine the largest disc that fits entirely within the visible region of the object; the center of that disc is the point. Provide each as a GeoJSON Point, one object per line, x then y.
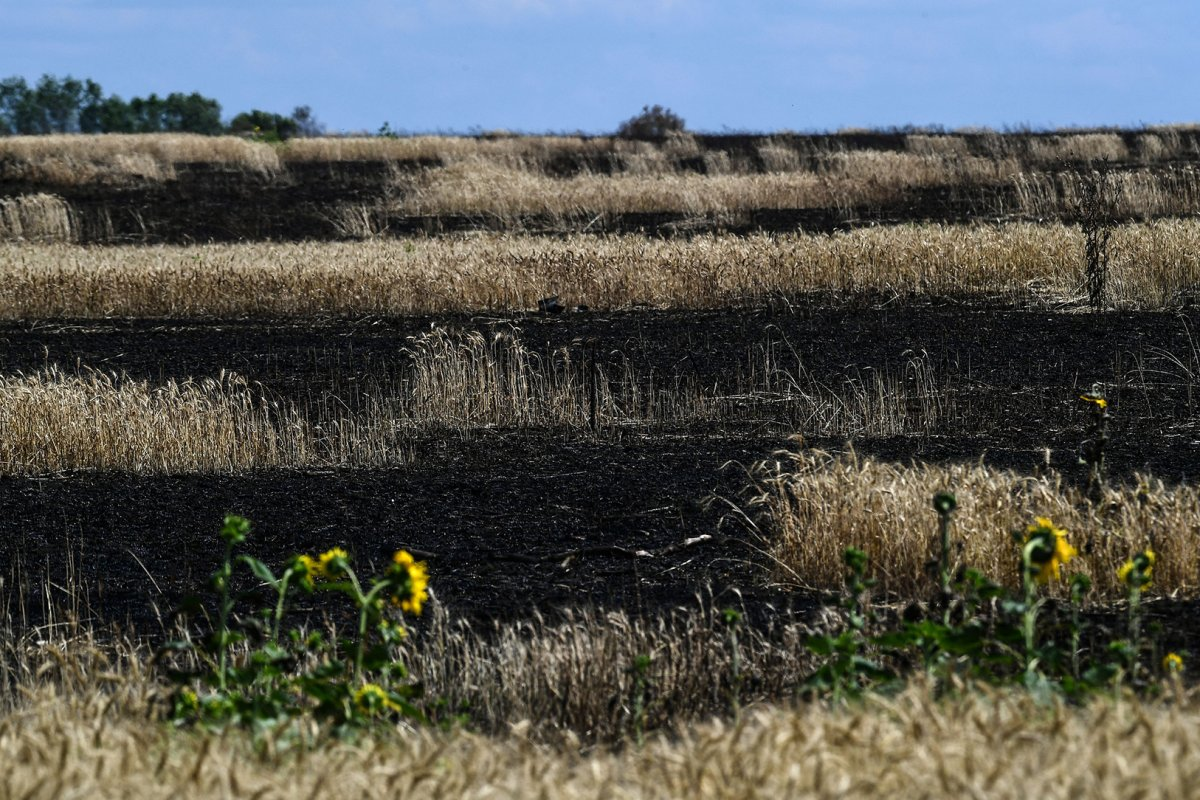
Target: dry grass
{"type": "Point", "coordinates": [1153, 265]}
{"type": "Point", "coordinates": [652, 184]}
{"type": "Point", "coordinates": [573, 183]}
{"type": "Point", "coordinates": [87, 736]}
{"type": "Point", "coordinates": [452, 384]}
{"type": "Point", "coordinates": [36, 218]}
{"type": "Point", "coordinates": [1050, 150]}
{"type": "Point", "coordinates": [815, 505]}
{"type": "Point", "coordinates": [1140, 193]}
{"type": "Point", "coordinates": [86, 158]}
{"type": "Point", "coordinates": [573, 675]}
{"type": "Point", "coordinates": [125, 158]}
{"type": "Point", "coordinates": [576, 675]}
{"type": "Point", "coordinates": [54, 421]}
{"type": "Point", "coordinates": [527, 152]}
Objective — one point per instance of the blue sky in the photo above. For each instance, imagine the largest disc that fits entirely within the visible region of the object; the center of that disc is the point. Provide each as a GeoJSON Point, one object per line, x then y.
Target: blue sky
{"type": "Point", "coordinates": [566, 65]}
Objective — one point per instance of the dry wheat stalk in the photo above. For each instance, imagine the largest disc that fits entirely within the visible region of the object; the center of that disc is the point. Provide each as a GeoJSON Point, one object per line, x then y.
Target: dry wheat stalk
{"type": "Point", "coordinates": [815, 505]}
{"type": "Point", "coordinates": [90, 737]}
{"type": "Point", "coordinates": [1153, 265]}
{"type": "Point", "coordinates": [453, 383]}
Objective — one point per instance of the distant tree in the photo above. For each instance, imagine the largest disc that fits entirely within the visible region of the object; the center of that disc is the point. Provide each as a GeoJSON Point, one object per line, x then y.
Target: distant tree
{"type": "Point", "coordinates": [91, 116]}
{"type": "Point", "coordinates": [17, 107]}
{"type": "Point", "coordinates": [111, 115]}
{"type": "Point", "coordinates": [307, 124]}
{"type": "Point", "coordinates": [68, 105]}
{"type": "Point", "coordinates": [58, 101]}
{"type": "Point", "coordinates": [655, 122]}
{"type": "Point", "coordinates": [264, 125]}
{"type": "Point", "coordinates": [146, 113]}
{"type": "Point", "coordinates": [192, 113]}
{"type": "Point", "coordinates": [50, 107]}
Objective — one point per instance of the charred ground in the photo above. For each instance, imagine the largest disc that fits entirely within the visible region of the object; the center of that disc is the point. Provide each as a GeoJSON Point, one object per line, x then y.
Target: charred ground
{"type": "Point", "coordinates": [480, 504]}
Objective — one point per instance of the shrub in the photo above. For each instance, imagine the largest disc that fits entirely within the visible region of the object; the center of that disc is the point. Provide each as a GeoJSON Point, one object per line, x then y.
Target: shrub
{"type": "Point", "coordinates": [655, 122]}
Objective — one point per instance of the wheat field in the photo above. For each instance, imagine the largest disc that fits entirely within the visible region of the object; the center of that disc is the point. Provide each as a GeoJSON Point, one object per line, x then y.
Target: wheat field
{"type": "Point", "coordinates": [813, 505]}
{"type": "Point", "coordinates": [556, 708]}
{"type": "Point", "coordinates": [94, 741]}
{"type": "Point", "coordinates": [73, 159]}
{"type": "Point", "coordinates": [575, 183]}
{"type": "Point", "coordinates": [1154, 265]}
{"type": "Point", "coordinates": [453, 383]}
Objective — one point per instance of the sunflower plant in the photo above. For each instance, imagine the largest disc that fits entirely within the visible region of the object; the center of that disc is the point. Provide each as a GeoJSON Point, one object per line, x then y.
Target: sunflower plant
{"type": "Point", "coordinates": [246, 670]}
{"type": "Point", "coordinates": [974, 629]}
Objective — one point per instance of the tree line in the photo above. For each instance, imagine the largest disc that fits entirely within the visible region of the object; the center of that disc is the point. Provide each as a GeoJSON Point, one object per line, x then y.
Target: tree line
{"type": "Point", "coordinates": [69, 105]}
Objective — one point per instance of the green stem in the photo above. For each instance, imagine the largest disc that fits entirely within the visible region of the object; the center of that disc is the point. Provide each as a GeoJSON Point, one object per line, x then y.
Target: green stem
{"type": "Point", "coordinates": [364, 613]}
{"type": "Point", "coordinates": [945, 531]}
{"type": "Point", "coordinates": [735, 665]}
{"type": "Point", "coordinates": [1075, 635]}
{"type": "Point", "coordinates": [1030, 612]}
{"type": "Point", "coordinates": [1135, 628]}
{"type": "Point", "coordinates": [283, 587]}
{"type": "Point", "coordinates": [944, 524]}
{"type": "Point", "coordinates": [1029, 622]}
{"type": "Point", "coordinates": [223, 617]}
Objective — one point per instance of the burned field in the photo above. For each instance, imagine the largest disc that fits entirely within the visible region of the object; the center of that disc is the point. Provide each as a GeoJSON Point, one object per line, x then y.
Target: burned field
{"type": "Point", "coordinates": [545, 510]}
{"type": "Point", "coordinates": [678, 428]}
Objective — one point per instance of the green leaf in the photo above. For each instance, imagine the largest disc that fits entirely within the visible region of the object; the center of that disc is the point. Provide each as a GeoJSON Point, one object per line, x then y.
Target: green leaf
{"type": "Point", "coordinates": [335, 668]}
{"type": "Point", "coordinates": [963, 641]}
{"type": "Point", "coordinates": [260, 570]}
{"type": "Point", "coordinates": [868, 668]}
{"type": "Point", "coordinates": [821, 645]}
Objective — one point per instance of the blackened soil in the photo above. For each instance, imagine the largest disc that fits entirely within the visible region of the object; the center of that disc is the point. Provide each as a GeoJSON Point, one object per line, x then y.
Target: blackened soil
{"type": "Point", "coordinates": [468, 506]}
{"type": "Point", "coordinates": [1013, 374]}
{"type": "Point", "coordinates": [472, 504]}
{"type": "Point", "coordinates": [210, 202]}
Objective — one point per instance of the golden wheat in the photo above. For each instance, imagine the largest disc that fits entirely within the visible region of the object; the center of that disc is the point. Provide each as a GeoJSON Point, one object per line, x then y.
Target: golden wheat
{"type": "Point", "coordinates": [1153, 265]}
{"type": "Point", "coordinates": [53, 421]}
{"type": "Point", "coordinates": [94, 741]}
{"type": "Point", "coordinates": [71, 159]}
{"type": "Point", "coordinates": [36, 218]}
{"type": "Point", "coordinates": [651, 184]}
{"type": "Point", "coordinates": [122, 158]}
{"type": "Point", "coordinates": [451, 383]}
{"type": "Point", "coordinates": [815, 505]}
{"type": "Point", "coordinates": [573, 183]}
{"type": "Point", "coordinates": [572, 675]}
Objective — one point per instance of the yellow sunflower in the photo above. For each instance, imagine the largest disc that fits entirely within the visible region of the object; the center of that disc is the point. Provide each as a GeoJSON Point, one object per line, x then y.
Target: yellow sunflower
{"type": "Point", "coordinates": [371, 698]}
{"type": "Point", "coordinates": [1136, 571]}
{"type": "Point", "coordinates": [332, 563]}
{"type": "Point", "coordinates": [1053, 549]}
{"type": "Point", "coordinates": [413, 582]}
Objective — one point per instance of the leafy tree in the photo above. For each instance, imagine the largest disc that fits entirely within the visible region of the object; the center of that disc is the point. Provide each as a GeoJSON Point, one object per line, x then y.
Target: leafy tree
{"type": "Point", "coordinates": [58, 101]}
{"type": "Point", "coordinates": [91, 117]}
{"type": "Point", "coordinates": [146, 113]}
{"type": "Point", "coordinates": [306, 123]}
{"type": "Point", "coordinates": [16, 106]}
{"type": "Point", "coordinates": [192, 113]}
{"type": "Point", "coordinates": [50, 107]}
{"type": "Point", "coordinates": [110, 115]}
{"type": "Point", "coordinates": [68, 105]}
{"type": "Point", "coordinates": [264, 125]}
{"type": "Point", "coordinates": [655, 122]}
